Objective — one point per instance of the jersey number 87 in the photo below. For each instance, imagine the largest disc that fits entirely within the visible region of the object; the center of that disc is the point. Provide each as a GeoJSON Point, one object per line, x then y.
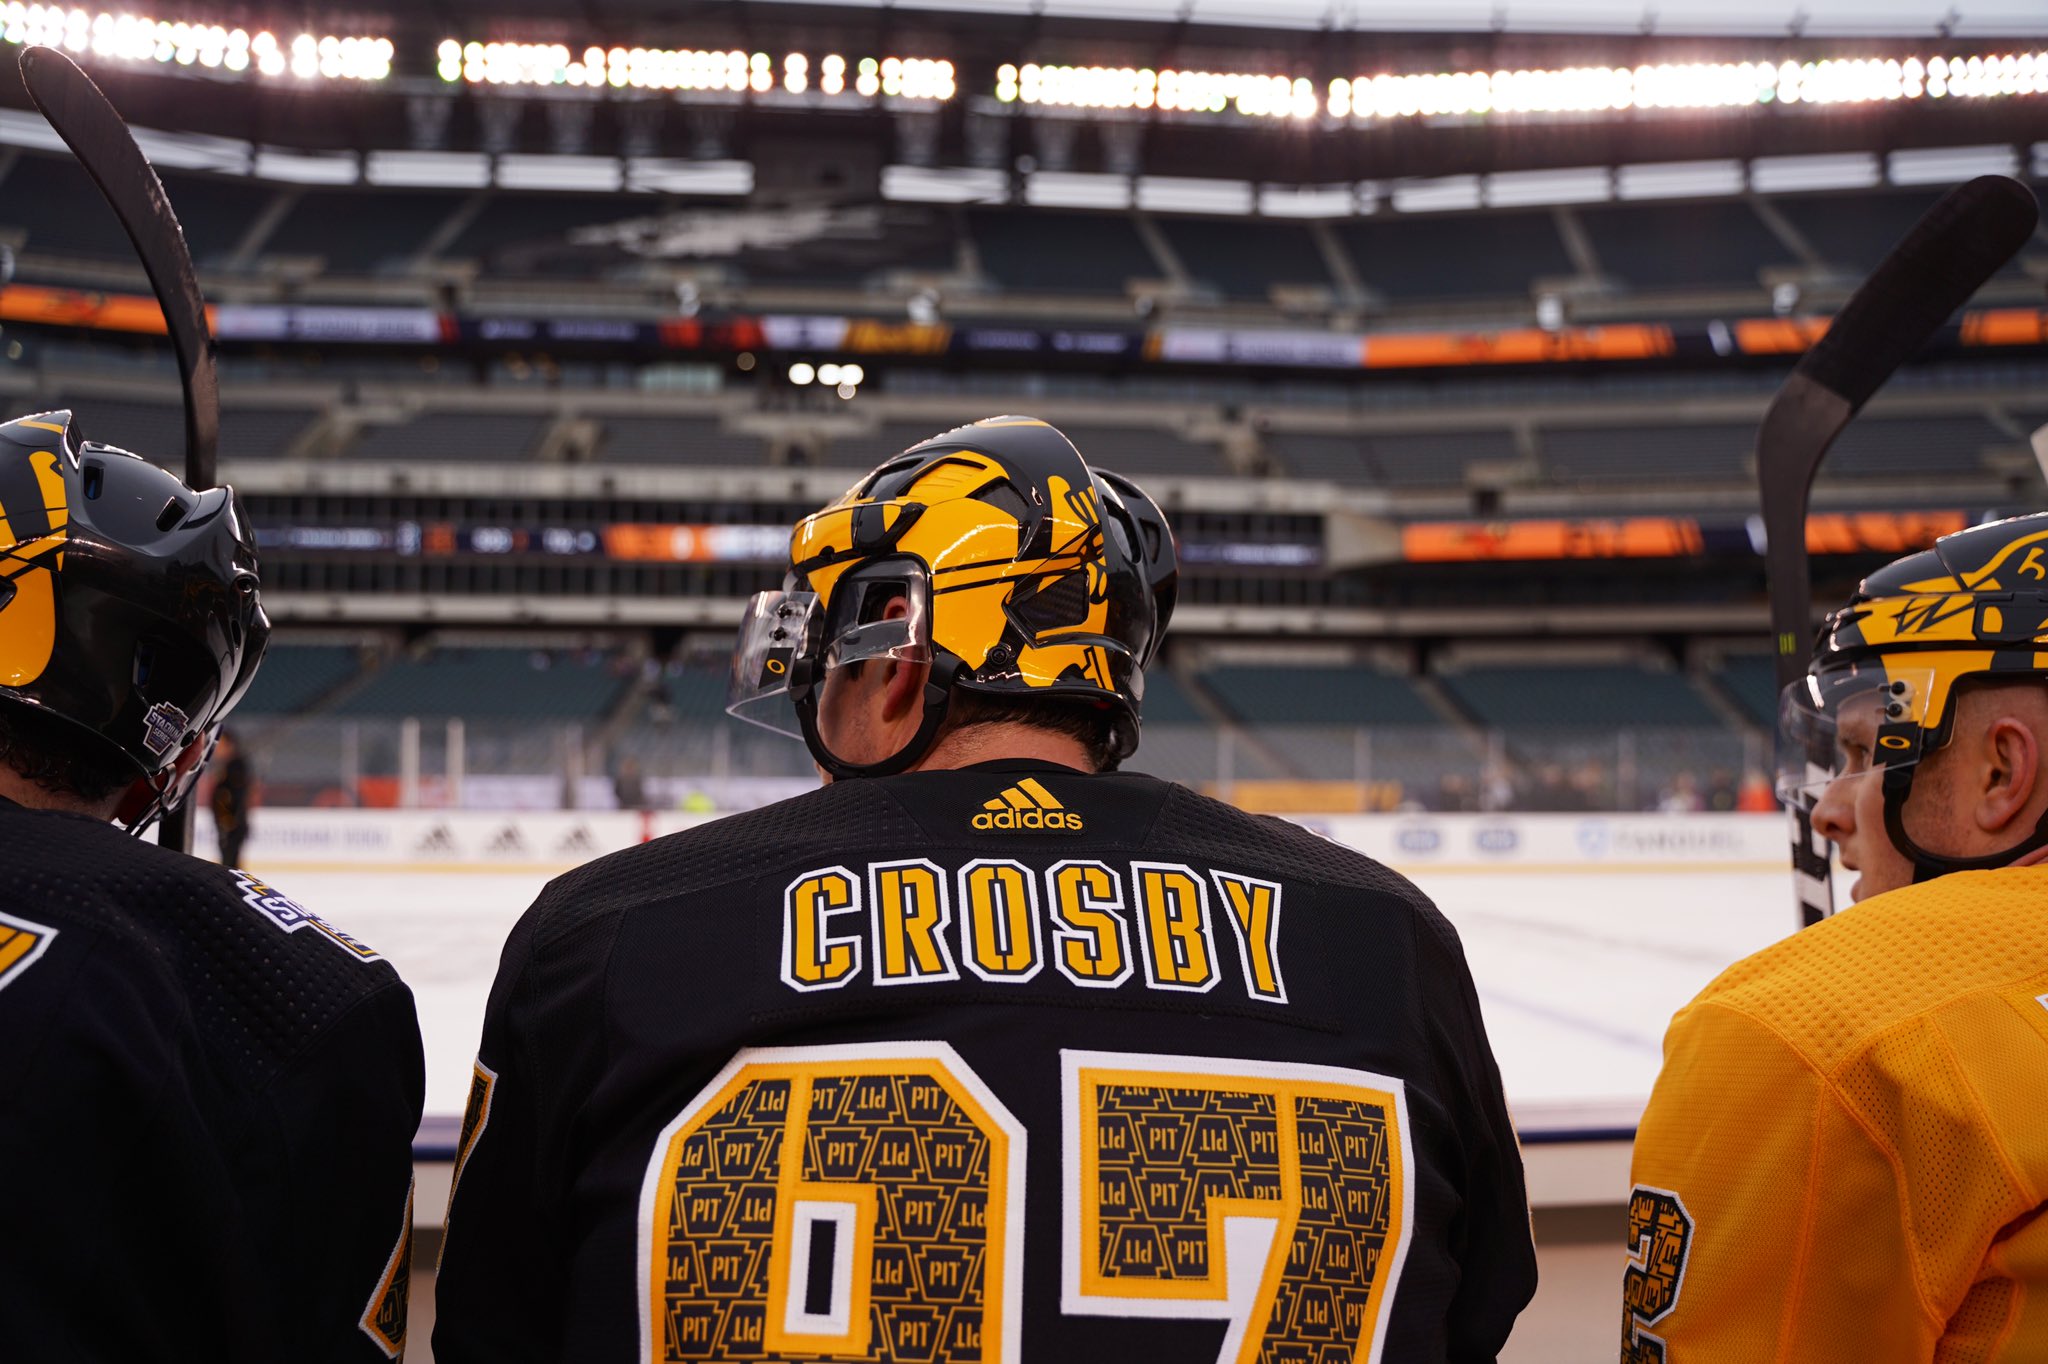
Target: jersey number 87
{"type": "Point", "coordinates": [867, 1203]}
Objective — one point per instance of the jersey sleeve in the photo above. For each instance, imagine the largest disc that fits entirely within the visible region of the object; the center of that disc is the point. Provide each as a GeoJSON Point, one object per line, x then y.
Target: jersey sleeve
{"type": "Point", "coordinates": [498, 1294]}
{"type": "Point", "coordinates": [1771, 1218]}
{"type": "Point", "coordinates": [1496, 1249]}
{"type": "Point", "coordinates": [345, 1113]}
{"type": "Point", "coordinates": [491, 1300]}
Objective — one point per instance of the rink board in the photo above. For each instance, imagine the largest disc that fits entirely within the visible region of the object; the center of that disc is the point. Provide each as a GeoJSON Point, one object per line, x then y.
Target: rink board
{"type": "Point", "coordinates": [1584, 933]}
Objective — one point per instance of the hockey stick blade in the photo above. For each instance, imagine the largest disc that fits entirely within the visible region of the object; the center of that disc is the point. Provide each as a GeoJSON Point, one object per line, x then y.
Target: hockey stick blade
{"type": "Point", "coordinates": [89, 125]}
{"type": "Point", "coordinates": [1947, 256]}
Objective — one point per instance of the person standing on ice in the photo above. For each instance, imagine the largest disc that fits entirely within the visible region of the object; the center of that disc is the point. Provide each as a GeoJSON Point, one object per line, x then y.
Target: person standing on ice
{"type": "Point", "coordinates": [1846, 1156]}
{"type": "Point", "coordinates": [209, 1093]}
{"type": "Point", "coordinates": [985, 1051]}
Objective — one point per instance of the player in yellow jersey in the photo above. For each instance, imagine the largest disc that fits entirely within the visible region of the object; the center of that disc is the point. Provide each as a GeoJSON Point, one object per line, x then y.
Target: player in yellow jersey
{"type": "Point", "coordinates": [1846, 1156]}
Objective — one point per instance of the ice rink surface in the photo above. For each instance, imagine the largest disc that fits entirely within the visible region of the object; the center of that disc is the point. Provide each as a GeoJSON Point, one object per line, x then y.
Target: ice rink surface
{"type": "Point", "coordinates": [1579, 971]}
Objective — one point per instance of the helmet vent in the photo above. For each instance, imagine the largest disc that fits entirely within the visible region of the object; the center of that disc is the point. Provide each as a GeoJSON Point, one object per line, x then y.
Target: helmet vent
{"type": "Point", "coordinates": [95, 479]}
{"type": "Point", "coordinates": [1004, 498]}
{"type": "Point", "coordinates": [173, 512]}
{"type": "Point", "coordinates": [1052, 603]}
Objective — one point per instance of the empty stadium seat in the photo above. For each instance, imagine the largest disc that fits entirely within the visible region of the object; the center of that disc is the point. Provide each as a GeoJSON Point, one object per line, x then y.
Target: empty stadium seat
{"type": "Point", "coordinates": [1419, 459]}
{"type": "Point", "coordinates": [432, 436]}
{"type": "Point", "coordinates": [1853, 232]}
{"type": "Point", "coordinates": [361, 231]}
{"type": "Point", "coordinates": [698, 441]}
{"type": "Point", "coordinates": [56, 204]}
{"type": "Point", "coordinates": [294, 677]}
{"type": "Point", "coordinates": [1317, 455]}
{"type": "Point", "coordinates": [262, 432]}
{"type": "Point", "coordinates": [1912, 447]}
{"type": "Point", "coordinates": [1674, 454]}
{"type": "Point", "coordinates": [1060, 252]}
{"type": "Point", "coordinates": [490, 683]}
{"type": "Point", "coordinates": [1668, 246]}
{"type": "Point", "coordinates": [1165, 702]}
{"type": "Point", "coordinates": [1147, 452]}
{"type": "Point", "coordinates": [530, 233]}
{"type": "Point", "coordinates": [1549, 696]}
{"type": "Point", "coordinates": [1752, 681]}
{"type": "Point", "coordinates": [1244, 259]}
{"type": "Point", "coordinates": [1411, 259]}
{"type": "Point", "coordinates": [1277, 695]}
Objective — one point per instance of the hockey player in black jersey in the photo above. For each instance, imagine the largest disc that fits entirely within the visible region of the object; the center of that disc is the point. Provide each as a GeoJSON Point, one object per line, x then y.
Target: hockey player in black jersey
{"type": "Point", "coordinates": [984, 1051]}
{"type": "Point", "coordinates": [207, 1094]}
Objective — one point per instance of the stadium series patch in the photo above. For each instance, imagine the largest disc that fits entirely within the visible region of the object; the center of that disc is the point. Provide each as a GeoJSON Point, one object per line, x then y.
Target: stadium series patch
{"type": "Point", "coordinates": [291, 916]}
{"type": "Point", "coordinates": [21, 942]}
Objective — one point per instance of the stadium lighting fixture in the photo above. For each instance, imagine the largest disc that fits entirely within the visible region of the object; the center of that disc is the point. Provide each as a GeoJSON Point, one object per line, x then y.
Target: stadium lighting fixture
{"type": "Point", "coordinates": [1587, 89]}
{"type": "Point", "coordinates": [1695, 85]}
{"type": "Point", "coordinates": [650, 68]}
{"type": "Point", "coordinates": [1125, 87]}
{"type": "Point", "coordinates": [802, 374]}
{"type": "Point", "coordinates": [212, 47]}
{"type": "Point", "coordinates": [828, 375]}
{"type": "Point", "coordinates": [846, 391]}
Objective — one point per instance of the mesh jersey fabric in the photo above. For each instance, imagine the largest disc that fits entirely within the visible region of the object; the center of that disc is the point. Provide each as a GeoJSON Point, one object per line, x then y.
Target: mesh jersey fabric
{"type": "Point", "coordinates": [644, 1019]}
{"type": "Point", "coordinates": [210, 1104]}
{"type": "Point", "coordinates": [1852, 1122]}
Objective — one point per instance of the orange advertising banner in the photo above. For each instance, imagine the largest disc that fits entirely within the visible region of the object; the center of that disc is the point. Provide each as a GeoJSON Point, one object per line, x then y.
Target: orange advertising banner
{"type": "Point", "coordinates": [82, 308]}
{"type": "Point", "coordinates": [2006, 327]}
{"type": "Point", "coordinates": [1635, 537]}
{"type": "Point", "coordinates": [1526, 346]}
{"type": "Point", "coordinates": [1879, 532]}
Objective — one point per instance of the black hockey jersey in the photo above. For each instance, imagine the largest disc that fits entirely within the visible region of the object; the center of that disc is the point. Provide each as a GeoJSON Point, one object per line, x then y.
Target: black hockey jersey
{"type": "Point", "coordinates": [209, 1102]}
{"type": "Point", "coordinates": [999, 1064]}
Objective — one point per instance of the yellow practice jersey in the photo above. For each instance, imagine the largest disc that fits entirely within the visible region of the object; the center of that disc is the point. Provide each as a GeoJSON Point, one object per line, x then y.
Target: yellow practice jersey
{"type": "Point", "coordinates": [1846, 1156]}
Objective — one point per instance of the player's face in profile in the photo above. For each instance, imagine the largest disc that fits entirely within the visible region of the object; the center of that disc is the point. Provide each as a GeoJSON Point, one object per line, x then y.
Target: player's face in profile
{"type": "Point", "coordinates": [1851, 808]}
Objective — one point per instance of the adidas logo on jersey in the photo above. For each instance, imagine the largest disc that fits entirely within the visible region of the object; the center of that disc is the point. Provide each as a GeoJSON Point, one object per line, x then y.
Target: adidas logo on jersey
{"type": "Point", "coordinates": [1027, 806]}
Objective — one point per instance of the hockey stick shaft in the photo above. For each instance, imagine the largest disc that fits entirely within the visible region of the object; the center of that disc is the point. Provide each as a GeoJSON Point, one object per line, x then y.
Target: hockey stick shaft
{"type": "Point", "coordinates": [90, 126]}
{"type": "Point", "coordinates": [1947, 256]}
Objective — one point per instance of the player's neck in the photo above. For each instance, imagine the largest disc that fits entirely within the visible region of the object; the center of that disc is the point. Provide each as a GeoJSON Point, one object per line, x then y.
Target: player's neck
{"type": "Point", "coordinates": [1001, 742]}
{"type": "Point", "coordinates": [36, 796]}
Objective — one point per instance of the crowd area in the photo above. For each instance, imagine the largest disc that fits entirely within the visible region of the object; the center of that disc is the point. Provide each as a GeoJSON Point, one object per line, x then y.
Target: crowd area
{"type": "Point", "coordinates": [1558, 788]}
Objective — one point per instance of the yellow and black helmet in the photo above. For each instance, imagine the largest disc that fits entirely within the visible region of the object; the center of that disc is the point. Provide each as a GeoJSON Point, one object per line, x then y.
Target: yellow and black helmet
{"type": "Point", "coordinates": [1880, 692]}
{"type": "Point", "coordinates": [1027, 574]}
{"type": "Point", "coordinates": [129, 603]}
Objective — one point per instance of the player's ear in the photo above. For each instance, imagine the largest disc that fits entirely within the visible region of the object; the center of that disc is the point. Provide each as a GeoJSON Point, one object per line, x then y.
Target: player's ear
{"type": "Point", "coordinates": [903, 690]}
{"type": "Point", "coordinates": [2010, 774]}
{"type": "Point", "coordinates": [902, 680]}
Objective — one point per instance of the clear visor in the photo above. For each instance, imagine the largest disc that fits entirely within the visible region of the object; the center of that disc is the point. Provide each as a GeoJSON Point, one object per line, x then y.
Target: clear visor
{"type": "Point", "coordinates": [1845, 722]}
{"type": "Point", "coordinates": [785, 634]}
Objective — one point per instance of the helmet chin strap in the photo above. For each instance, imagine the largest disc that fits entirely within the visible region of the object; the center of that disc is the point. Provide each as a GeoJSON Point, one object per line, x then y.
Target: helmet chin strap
{"type": "Point", "coordinates": [1898, 785]}
{"type": "Point", "coordinates": [938, 693]}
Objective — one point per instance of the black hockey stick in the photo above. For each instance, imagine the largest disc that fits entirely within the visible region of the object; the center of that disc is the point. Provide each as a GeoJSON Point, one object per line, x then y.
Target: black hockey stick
{"type": "Point", "coordinates": [87, 122]}
{"type": "Point", "coordinates": [1948, 255]}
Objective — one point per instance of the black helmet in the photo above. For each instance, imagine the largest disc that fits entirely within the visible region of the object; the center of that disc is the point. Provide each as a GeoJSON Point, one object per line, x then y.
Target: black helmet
{"type": "Point", "coordinates": [1029, 574]}
{"type": "Point", "coordinates": [128, 602]}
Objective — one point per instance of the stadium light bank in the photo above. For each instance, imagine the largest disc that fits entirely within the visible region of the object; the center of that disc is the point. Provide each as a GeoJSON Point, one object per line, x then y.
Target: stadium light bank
{"type": "Point", "coordinates": [1696, 85]}
{"type": "Point", "coordinates": [651, 68]}
{"type": "Point", "coordinates": [139, 38]}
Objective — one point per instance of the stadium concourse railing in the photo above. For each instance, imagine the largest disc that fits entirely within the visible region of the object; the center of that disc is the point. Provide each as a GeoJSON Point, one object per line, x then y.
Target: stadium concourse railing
{"type": "Point", "coordinates": [716, 766]}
